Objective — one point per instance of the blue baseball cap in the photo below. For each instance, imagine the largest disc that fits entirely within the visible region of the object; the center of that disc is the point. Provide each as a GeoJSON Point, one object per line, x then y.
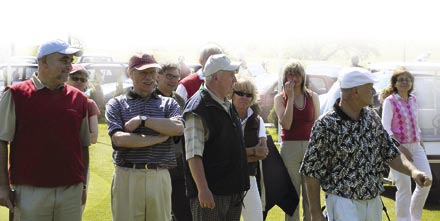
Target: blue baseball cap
{"type": "Point", "coordinates": [57, 46]}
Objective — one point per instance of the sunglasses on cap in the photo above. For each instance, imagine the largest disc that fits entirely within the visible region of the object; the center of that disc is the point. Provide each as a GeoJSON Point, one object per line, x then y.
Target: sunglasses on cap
{"type": "Point", "coordinates": [76, 79]}
{"type": "Point", "coordinates": [241, 94]}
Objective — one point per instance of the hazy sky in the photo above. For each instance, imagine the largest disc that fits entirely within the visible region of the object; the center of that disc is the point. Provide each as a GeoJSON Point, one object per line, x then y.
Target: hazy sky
{"type": "Point", "coordinates": [130, 23]}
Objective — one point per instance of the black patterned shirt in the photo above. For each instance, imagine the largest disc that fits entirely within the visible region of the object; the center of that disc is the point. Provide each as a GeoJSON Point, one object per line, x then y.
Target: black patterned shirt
{"type": "Point", "coordinates": [349, 157]}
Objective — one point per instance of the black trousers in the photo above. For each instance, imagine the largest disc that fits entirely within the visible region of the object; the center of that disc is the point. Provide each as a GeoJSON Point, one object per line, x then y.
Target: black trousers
{"type": "Point", "coordinates": [179, 201]}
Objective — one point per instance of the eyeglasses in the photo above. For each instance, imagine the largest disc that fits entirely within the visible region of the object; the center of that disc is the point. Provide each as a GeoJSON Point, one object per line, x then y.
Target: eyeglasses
{"type": "Point", "coordinates": [241, 94]}
{"type": "Point", "coordinates": [172, 77]}
{"type": "Point", "coordinates": [406, 80]}
{"type": "Point", "coordinates": [76, 79]}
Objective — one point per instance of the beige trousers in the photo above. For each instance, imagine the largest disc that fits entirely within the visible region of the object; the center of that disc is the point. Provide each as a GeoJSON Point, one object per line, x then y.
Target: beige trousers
{"type": "Point", "coordinates": [292, 153]}
{"type": "Point", "coordinates": [42, 204]}
{"type": "Point", "coordinates": [141, 194]}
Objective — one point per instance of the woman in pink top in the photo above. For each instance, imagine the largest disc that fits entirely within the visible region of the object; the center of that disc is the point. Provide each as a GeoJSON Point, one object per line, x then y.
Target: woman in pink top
{"type": "Point", "coordinates": [78, 78]}
{"type": "Point", "coordinates": [399, 118]}
{"type": "Point", "coordinates": [297, 109]}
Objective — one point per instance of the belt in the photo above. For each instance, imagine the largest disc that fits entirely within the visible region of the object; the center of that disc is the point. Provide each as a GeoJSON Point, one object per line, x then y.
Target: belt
{"type": "Point", "coordinates": [140, 166]}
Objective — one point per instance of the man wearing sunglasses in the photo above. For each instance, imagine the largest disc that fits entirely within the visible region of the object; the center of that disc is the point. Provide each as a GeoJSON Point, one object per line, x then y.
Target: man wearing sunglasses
{"type": "Point", "coordinates": [214, 145]}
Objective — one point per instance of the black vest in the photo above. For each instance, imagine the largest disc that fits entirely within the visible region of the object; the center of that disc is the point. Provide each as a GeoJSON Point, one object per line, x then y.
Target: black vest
{"type": "Point", "coordinates": [251, 138]}
{"type": "Point", "coordinates": [224, 155]}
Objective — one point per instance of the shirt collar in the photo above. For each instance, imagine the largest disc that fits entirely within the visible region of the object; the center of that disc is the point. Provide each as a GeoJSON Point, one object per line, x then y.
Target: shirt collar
{"type": "Point", "coordinates": [38, 84]}
{"type": "Point", "coordinates": [249, 114]}
{"type": "Point", "coordinates": [131, 95]}
{"type": "Point", "coordinates": [341, 113]}
{"type": "Point", "coordinates": [397, 95]}
{"type": "Point", "coordinates": [224, 102]}
{"type": "Point", "coordinates": [158, 92]}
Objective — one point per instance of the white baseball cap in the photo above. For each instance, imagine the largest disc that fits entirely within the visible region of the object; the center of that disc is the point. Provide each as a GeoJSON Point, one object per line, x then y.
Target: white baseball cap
{"type": "Point", "coordinates": [354, 76]}
{"type": "Point", "coordinates": [219, 62]}
{"type": "Point", "coordinates": [57, 46]}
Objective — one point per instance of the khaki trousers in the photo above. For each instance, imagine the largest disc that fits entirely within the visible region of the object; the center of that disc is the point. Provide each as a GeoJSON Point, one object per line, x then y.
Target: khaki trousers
{"type": "Point", "coordinates": [141, 194]}
{"type": "Point", "coordinates": [292, 153]}
{"type": "Point", "coordinates": [42, 204]}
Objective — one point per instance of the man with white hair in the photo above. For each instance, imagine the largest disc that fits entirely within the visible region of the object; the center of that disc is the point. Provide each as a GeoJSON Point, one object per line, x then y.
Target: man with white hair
{"type": "Point", "coordinates": [348, 153]}
{"type": "Point", "coordinates": [217, 176]}
{"type": "Point", "coordinates": [191, 83]}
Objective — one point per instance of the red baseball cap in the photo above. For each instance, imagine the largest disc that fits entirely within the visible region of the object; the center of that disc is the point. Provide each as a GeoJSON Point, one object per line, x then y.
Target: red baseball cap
{"type": "Point", "coordinates": [79, 68]}
{"type": "Point", "coordinates": [142, 61]}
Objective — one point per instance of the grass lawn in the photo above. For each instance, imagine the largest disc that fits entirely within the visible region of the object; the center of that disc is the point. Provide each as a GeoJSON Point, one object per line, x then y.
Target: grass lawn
{"type": "Point", "coordinates": [98, 203]}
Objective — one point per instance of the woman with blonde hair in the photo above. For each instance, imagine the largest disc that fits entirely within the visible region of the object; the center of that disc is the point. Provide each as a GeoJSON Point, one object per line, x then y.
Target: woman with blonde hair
{"type": "Point", "coordinates": [244, 99]}
{"type": "Point", "coordinates": [297, 109]}
{"type": "Point", "coordinates": [400, 120]}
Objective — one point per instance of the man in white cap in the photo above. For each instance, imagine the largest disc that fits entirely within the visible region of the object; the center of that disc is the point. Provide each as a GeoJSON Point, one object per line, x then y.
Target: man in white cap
{"type": "Point", "coordinates": [217, 175]}
{"type": "Point", "coordinates": [44, 121]}
{"type": "Point", "coordinates": [348, 155]}
{"type": "Point", "coordinates": [141, 124]}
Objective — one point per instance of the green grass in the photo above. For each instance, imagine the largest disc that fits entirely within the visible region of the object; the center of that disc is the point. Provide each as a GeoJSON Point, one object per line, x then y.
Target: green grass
{"type": "Point", "coordinates": [101, 166]}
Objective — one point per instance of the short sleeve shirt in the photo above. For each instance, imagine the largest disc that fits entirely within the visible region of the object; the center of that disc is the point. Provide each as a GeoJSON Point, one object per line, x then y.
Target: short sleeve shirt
{"type": "Point", "coordinates": [8, 117]}
{"type": "Point", "coordinates": [93, 108]}
{"type": "Point", "coordinates": [349, 157]}
{"type": "Point", "coordinates": [195, 132]}
{"type": "Point", "coordinates": [121, 109]}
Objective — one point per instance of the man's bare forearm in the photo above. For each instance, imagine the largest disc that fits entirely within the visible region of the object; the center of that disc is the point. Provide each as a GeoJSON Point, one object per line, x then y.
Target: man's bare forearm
{"type": "Point", "coordinates": [198, 173]}
{"type": "Point", "coordinates": [132, 140]}
{"type": "Point", "coordinates": [166, 126]}
{"type": "Point", "coordinates": [86, 163]}
{"type": "Point", "coordinates": [402, 164]}
{"type": "Point", "coordinates": [4, 179]}
{"type": "Point", "coordinates": [314, 194]}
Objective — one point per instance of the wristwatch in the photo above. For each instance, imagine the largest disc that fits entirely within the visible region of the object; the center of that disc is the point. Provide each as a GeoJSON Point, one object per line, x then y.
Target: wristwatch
{"type": "Point", "coordinates": [143, 119]}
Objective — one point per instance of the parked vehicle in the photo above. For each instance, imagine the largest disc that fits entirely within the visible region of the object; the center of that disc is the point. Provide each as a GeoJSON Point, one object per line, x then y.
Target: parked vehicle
{"type": "Point", "coordinates": [15, 72]}
{"type": "Point", "coordinates": [320, 78]}
{"type": "Point", "coordinates": [107, 80]}
{"type": "Point", "coordinates": [23, 60]}
{"type": "Point", "coordinates": [95, 59]}
{"type": "Point", "coordinates": [267, 86]}
{"type": "Point", "coordinates": [3, 80]}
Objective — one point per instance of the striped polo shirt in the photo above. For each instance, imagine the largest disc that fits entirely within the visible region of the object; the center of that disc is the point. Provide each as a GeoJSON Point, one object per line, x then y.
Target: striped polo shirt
{"type": "Point", "coordinates": [121, 109]}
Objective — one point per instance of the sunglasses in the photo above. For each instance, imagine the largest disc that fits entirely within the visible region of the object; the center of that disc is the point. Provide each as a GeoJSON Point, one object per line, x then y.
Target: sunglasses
{"type": "Point", "coordinates": [76, 79]}
{"type": "Point", "coordinates": [172, 77]}
{"type": "Point", "coordinates": [241, 94]}
{"type": "Point", "coordinates": [402, 80]}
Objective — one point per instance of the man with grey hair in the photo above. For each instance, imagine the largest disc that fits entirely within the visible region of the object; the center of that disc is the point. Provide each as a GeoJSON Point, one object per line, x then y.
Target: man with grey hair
{"type": "Point", "coordinates": [217, 175]}
{"type": "Point", "coordinates": [191, 84]}
{"type": "Point", "coordinates": [348, 153]}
